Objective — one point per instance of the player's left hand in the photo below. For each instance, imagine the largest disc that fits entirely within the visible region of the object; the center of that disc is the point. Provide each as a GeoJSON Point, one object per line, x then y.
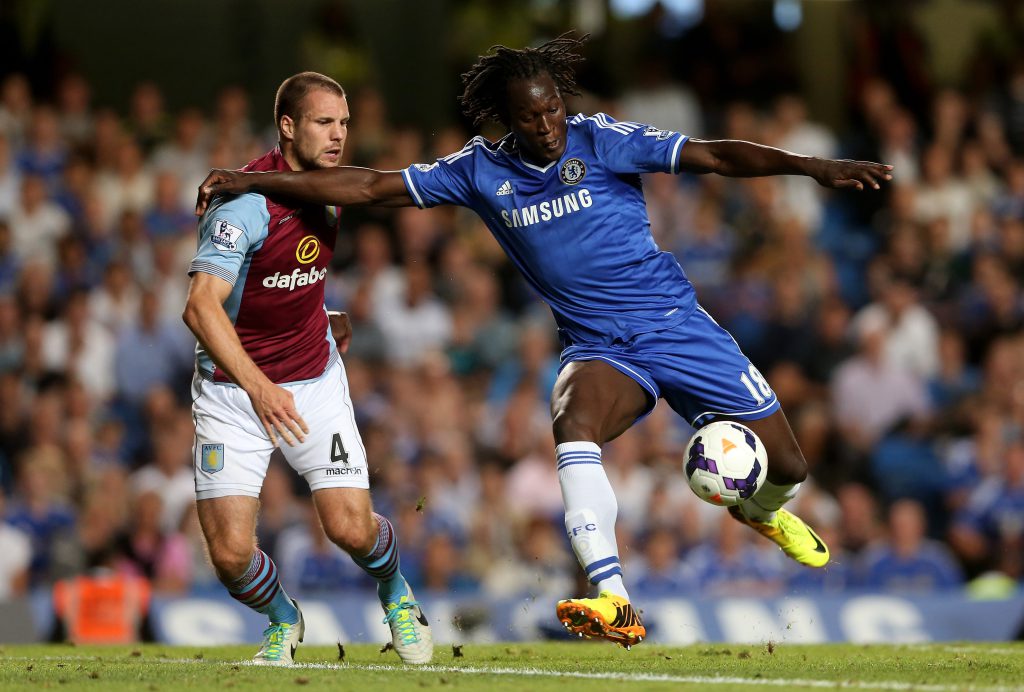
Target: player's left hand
{"type": "Point", "coordinates": [341, 329]}
{"type": "Point", "coordinates": [845, 173]}
{"type": "Point", "coordinates": [220, 182]}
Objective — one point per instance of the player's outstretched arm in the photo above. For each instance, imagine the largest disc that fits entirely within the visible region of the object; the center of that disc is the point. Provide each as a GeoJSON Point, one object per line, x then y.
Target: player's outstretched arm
{"type": "Point", "coordinates": [344, 186]}
{"type": "Point", "coordinates": [740, 159]}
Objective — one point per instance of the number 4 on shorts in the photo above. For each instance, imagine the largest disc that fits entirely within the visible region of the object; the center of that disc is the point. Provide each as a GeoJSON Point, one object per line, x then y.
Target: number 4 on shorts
{"type": "Point", "coordinates": [338, 452]}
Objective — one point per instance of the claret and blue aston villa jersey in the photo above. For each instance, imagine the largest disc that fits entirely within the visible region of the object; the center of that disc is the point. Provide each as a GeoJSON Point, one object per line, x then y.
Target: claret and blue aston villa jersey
{"type": "Point", "coordinates": [275, 256]}
{"type": "Point", "coordinates": [577, 228]}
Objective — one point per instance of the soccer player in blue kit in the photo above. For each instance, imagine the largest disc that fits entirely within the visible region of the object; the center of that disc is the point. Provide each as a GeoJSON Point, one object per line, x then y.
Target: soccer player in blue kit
{"type": "Point", "coordinates": [563, 197]}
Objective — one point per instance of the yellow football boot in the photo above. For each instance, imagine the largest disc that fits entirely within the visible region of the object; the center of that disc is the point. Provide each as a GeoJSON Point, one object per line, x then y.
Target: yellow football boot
{"type": "Point", "coordinates": [608, 616]}
{"type": "Point", "coordinates": [790, 533]}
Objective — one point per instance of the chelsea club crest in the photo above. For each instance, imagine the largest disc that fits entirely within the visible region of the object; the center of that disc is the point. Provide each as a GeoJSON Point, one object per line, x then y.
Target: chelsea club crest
{"type": "Point", "coordinates": [573, 171]}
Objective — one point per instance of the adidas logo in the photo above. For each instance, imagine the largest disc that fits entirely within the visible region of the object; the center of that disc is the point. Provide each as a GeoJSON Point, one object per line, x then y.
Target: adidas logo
{"type": "Point", "coordinates": [505, 189]}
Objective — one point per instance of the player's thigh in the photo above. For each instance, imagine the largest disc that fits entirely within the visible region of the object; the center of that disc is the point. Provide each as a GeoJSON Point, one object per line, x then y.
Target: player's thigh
{"type": "Point", "coordinates": [703, 374]}
{"type": "Point", "coordinates": [596, 401]}
{"type": "Point", "coordinates": [231, 449]}
{"type": "Point", "coordinates": [786, 462]}
{"type": "Point", "coordinates": [229, 522]}
{"type": "Point", "coordinates": [332, 455]}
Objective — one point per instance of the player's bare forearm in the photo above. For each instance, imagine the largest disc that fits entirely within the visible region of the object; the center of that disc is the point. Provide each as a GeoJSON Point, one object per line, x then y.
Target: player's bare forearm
{"type": "Point", "coordinates": [204, 314]}
{"type": "Point", "coordinates": [274, 406]}
{"type": "Point", "coordinates": [740, 159]}
{"type": "Point", "coordinates": [344, 186]}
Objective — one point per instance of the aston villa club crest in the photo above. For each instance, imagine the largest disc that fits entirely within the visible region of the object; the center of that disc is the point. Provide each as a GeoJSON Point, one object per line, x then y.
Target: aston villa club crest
{"type": "Point", "coordinates": [212, 459]}
{"type": "Point", "coordinates": [573, 171]}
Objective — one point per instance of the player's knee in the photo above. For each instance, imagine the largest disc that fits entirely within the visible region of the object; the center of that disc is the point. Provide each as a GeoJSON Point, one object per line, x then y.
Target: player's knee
{"type": "Point", "coordinates": [355, 536]}
{"type": "Point", "coordinates": [231, 558]}
{"type": "Point", "coordinates": [569, 426]}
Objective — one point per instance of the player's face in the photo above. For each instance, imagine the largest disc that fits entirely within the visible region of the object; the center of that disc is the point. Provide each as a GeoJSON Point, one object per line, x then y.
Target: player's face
{"type": "Point", "coordinates": [317, 136]}
{"type": "Point", "coordinates": [536, 116]}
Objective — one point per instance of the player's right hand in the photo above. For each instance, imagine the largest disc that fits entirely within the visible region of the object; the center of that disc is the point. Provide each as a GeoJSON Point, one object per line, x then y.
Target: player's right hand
{"type": "Point", "coordinates": [275, 407]}
{"type": "Point", "coordinates": [857, 175]}
{"type": "Point", "coordinates": [341, 329]}
{"type": "Point", "coordinates": [220, 182]}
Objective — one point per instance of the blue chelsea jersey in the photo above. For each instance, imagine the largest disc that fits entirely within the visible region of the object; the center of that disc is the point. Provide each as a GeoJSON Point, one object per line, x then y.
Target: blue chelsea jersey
{"type": "Point", "coordinates": [576, 228]}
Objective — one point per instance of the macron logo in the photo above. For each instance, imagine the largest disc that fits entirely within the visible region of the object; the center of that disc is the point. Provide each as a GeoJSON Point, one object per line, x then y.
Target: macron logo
{"type": "Point", "coordinates": [505, 189]}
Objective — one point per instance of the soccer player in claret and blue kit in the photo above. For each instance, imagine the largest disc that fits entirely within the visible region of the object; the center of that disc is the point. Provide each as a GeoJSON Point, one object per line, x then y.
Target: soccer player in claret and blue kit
{"type": "Point", "coordinates": [267, 368]}
{"type": "Point", "coordinates": [562, 195]}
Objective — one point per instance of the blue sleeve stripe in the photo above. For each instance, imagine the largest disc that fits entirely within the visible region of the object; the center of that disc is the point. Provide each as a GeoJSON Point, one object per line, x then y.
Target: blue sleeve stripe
{"type": "Point", "coordinates": [412, 188]}
{"type": "Point", "coordinates": [673, 162]}
{"type": "Point", "coordinates": [211, 268]}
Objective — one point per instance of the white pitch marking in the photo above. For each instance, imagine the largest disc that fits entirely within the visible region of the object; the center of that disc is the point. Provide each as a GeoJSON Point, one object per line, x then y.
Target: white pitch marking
{"type": "Point", "coordinates": [538, 672]}
{"type": "Point", "coordinates": [982, 650]}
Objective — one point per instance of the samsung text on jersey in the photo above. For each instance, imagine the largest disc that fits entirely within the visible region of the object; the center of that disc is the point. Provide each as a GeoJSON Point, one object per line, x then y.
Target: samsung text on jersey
{"type": "Point", "coordinates": [545, 211]}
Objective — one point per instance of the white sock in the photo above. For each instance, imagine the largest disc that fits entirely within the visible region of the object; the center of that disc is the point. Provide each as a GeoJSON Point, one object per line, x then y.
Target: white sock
{"type": "Point", "coordinates": [767, 501]}
{"type": "Point", "coordinates": [590, 511]}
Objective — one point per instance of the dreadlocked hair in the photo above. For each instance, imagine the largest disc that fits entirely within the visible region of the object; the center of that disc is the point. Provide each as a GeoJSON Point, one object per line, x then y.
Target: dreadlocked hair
{"type": "Point", "coordinates": [484, 95]}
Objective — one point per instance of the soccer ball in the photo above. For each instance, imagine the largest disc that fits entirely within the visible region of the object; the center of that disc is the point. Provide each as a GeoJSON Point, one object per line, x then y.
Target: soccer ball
{"type": "Point", "coordinates": [725, 463]}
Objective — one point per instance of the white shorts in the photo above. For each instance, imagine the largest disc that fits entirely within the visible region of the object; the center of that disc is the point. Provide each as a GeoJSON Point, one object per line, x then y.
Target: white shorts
{"type": "Point", "coordinates": [232, 451]}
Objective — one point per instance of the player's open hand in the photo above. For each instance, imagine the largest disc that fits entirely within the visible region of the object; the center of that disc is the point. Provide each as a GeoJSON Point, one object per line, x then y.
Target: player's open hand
{"type": "Point", "coordinates": [857, 175]}
{"type": "Point", "coordinates": [220, 182]}
{"type": "Point", "coordinates": [341, 329]}
{"type": "Point", "coordinates": [275, 407]}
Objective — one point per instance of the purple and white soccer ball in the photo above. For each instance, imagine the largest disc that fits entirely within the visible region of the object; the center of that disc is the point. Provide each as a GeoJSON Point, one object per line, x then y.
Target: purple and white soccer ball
{"type": "Point", "coordinates": [725, 463]}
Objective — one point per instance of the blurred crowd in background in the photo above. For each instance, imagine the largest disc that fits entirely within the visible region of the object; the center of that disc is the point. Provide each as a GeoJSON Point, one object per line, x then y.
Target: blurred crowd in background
{"type": "Point", "coordinates": [891, 325]}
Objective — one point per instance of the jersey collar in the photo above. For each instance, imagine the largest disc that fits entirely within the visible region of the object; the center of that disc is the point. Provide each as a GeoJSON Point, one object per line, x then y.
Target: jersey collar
{"type": "Point", "coordinates": [509, 145]}
{"type": "Point", "coordinates": [277, 157]}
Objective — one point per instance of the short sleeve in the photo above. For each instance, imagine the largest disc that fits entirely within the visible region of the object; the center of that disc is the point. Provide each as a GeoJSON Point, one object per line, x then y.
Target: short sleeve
{"type": "Point", "coordinates": [449, 180]}
{"type": "Point", "coordinates": [229, 230]}
{"type": "Point", "coordinates": [628, 147]}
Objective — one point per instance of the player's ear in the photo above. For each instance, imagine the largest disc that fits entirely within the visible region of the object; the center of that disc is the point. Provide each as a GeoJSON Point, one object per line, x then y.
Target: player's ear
{"type": "Point", "coordinates": [286, 127]}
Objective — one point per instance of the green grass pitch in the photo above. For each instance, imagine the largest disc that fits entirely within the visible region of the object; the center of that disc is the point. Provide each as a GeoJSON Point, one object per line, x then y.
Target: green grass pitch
{"type": "Point", "coordinates": [524, 666]}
